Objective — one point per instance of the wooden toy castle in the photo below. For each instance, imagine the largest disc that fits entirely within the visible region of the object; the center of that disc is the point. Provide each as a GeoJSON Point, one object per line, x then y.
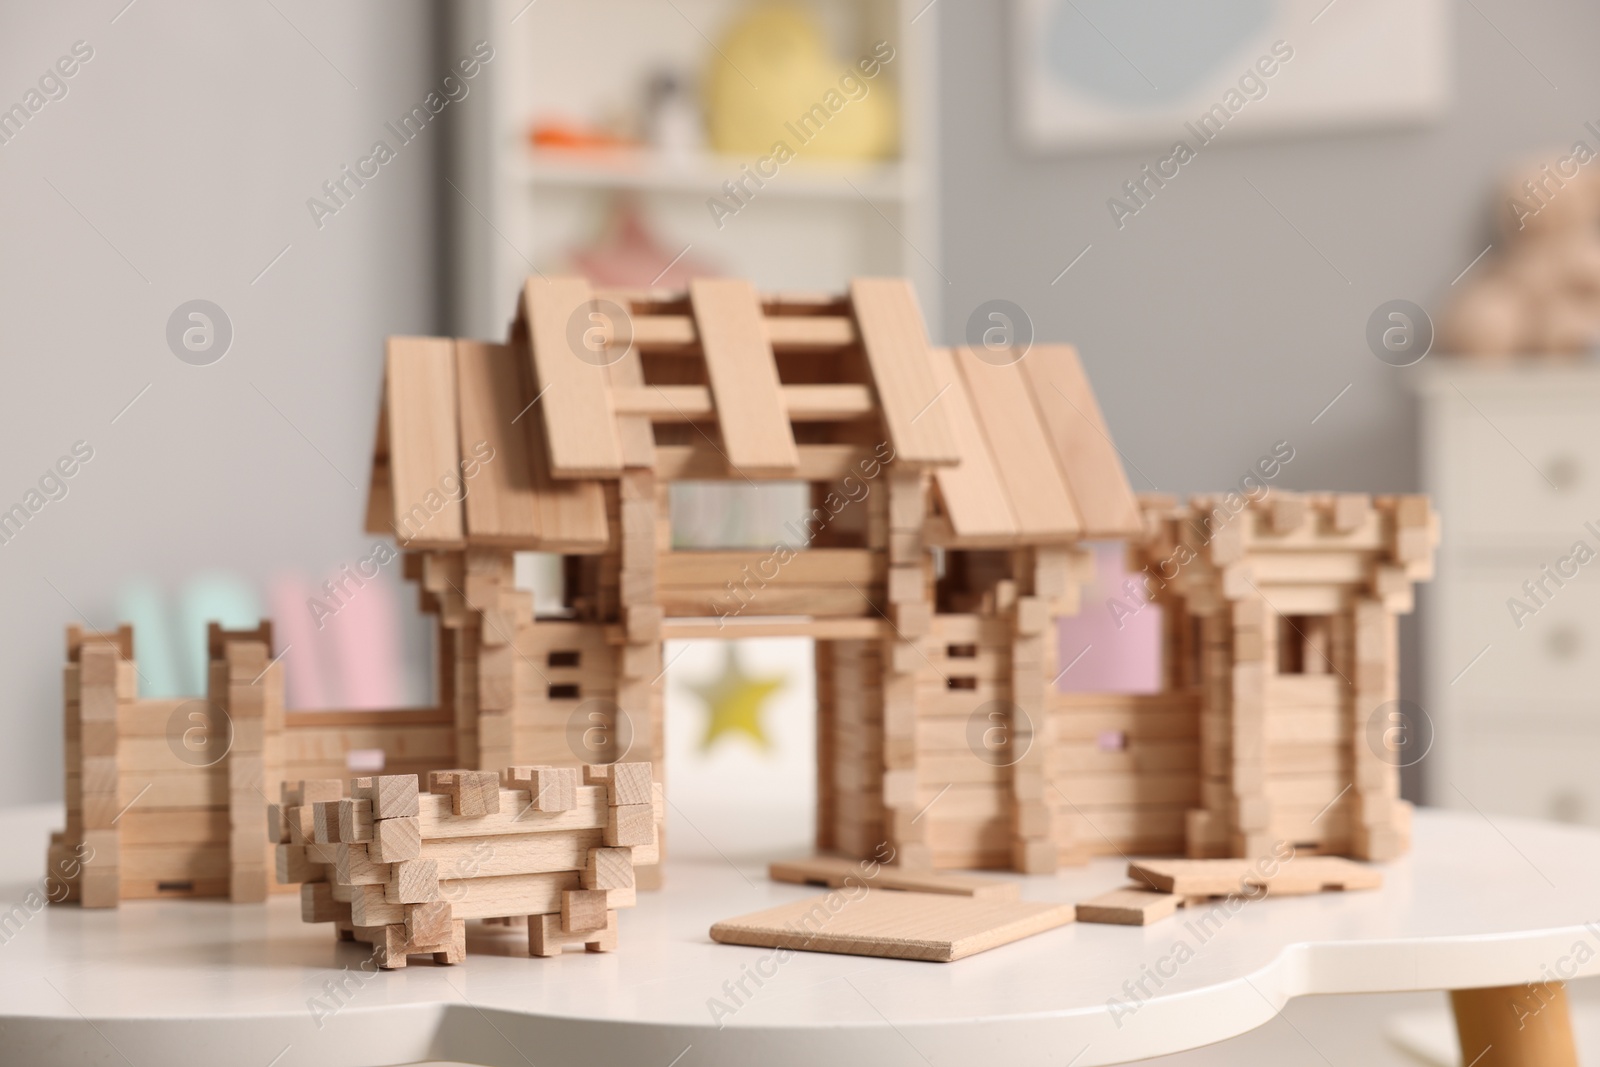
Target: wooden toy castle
{"type": "Point", "coordinates": [952, 493]}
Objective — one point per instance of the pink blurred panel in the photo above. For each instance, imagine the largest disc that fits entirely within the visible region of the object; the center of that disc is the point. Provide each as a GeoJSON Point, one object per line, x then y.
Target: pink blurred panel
{"type": "Point", "coordinates": [1117, 651]}
{"type": "Point", "coordinates": [294, 628]}
{"type": "Point", "coordinates": [366, 642]}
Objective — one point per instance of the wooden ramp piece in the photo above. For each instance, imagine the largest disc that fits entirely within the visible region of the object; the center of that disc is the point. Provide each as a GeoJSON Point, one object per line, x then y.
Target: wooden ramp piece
{"type": "Point", "coordinates": [894, 925]}
{"type": "Point", "coordinates": [424, 445]}
{"type": "Point", "coordinates": [1301, 874]}
{"type": "Point", "coordinates": [1083, 446]}
{"type": "Point", "coordinates": [1040, 499]}
{"type": "Point", "coordinates": [838, 872]}
{"type": "Point", "coordinates": [979, 510]}
{"type": "Point", "coordinates": [501, 505]}
{"type": "Point", "coordinates": [897, 346]}
{"type": "Point", "coordinates": [744, 378]}
{"type": "Point", "coordinates": [580, 426]}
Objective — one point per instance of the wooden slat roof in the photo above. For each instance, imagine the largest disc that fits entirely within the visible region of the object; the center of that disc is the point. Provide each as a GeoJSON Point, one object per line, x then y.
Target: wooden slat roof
{"type": "Point", "coordinates": [726, 382]}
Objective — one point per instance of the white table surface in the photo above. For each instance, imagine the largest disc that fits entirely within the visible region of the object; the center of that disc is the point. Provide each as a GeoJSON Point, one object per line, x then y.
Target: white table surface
{"type": "Point", "coordinates": [175, 983]}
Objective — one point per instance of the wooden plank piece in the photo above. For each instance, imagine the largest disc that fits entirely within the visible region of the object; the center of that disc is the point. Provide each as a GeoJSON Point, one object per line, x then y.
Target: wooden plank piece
{"type": "Point", "coordinates": [744, 377]}
{"type": "Point", "coordinates": [424, 442]}
{"type": "Point", "coordinates": [1221, 877]}
{"type": "Point", "coordinates": [896, 346]}
{"type": "Point", "coordinates": [1082, 444]}
{"type": "Point", "coordinates": [501, 505]}
{"type": "Point", "coordinates": [1129, 906]}
{"type": "Point", "coordinates": [838, 872]}
{"type": "Point", "coordinates": [973, 496]}
{"type": "Point", "coordinates": [580, 428]}
{"type": "Point", "coordinates": [894, 925]}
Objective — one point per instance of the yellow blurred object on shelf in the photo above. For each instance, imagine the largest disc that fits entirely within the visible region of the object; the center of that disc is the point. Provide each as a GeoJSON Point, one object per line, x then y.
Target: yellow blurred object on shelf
{"type": "Point", "coordinates": [772, 82]}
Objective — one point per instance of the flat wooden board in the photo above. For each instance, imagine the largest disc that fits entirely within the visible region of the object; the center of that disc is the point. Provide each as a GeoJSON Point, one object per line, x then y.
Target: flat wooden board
{"type": "Point", "coordinates": [1298, 875]}
{"type": "Point", "coordinates": [501, 505]}
{"type": "Point", "coordinates": [424, 445]}
{"type": "Point", "coordinates": [896, 346]}
{"type": "Point", "coordinates": [571, 511]}
{"type": "Point", "coordinates": [744, 377]}
{"type": "Point", "coordinates": [839, 872]}
{"type": "Point", "coordinates": [1082, 445]}
{"type": "Point", "coordinates": [1041, 500]}
{"type": "Point", "coordinates": [893, 925]}
{"type": "Point", "coordinates": [1129, 906]}
{"type": "Point", "coordinates": [973, 497]}
{"type": "Point", "coordinates": [580, 427]}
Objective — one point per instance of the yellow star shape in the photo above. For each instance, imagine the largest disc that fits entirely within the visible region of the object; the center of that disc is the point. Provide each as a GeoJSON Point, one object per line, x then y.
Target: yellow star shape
{"type": "Point", "coordinates": [735, 700]}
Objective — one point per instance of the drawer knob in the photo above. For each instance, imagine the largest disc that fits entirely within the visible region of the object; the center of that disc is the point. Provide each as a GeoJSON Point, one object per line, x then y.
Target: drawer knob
{"type": "Point", "coordinates": [1563, 642]}
{"type": "Point", "coordinates": [1564, 472]}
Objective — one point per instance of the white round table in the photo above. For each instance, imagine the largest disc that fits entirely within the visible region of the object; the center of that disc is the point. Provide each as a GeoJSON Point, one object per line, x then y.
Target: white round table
{"type": "Point", "coordinates": [180, 983]}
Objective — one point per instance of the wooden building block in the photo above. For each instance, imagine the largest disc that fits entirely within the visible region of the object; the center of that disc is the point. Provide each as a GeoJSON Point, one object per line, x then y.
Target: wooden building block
{"type": "Point", "coordinates": [549, 788]}
{"type": "Point", "coordinates": [630, 784]}
{"type": "Point", "coordinates": [608, 868]}
{"type": "Point", "coordinates": [583, 911]}
{"type": "Point", "coordinates": [630, 824]}
{"type": "Point", "coordinates": [1129, 906]}
{"type": "Point", "coordinates": [894, 925]}
{"type": "Point", "coordinates": [471, 793]}
{"type": "Point", "coordinates": [546, 937]}
{"type": "Point", "coordinates": [428, 924]}
{"type": "Point", "coordinates": [744, 377]}
{"type": "Point", "coordinates": [839, 872]}
{"type": "Point", "coordinates": [355, 820]}
{"type": "Point", "coordinates": [394, 796]}
{"type": "Point", "coordinates": [394, 840]}
{"type": "Point", "coordinates": [414, 881]}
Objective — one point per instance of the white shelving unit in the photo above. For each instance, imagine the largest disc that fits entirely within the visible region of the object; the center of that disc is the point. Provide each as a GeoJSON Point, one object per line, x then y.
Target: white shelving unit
{"type": "Point", "coordinates": [813, 226]}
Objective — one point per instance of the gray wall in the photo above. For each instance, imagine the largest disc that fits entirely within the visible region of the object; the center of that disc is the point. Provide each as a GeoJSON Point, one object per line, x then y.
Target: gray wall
{"type": "Point", "coordinates": [189, 143]}
{"type": "Point", "coordinates": [1209, 327]}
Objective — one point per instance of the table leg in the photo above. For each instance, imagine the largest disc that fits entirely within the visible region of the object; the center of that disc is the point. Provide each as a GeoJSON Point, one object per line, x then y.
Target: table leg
{"type": "Point", "coordinates": [1515, 1026]}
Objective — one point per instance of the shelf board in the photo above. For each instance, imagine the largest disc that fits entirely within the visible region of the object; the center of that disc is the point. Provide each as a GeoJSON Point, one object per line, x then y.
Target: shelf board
{"type": "Point", "coordinates": [704, 175]}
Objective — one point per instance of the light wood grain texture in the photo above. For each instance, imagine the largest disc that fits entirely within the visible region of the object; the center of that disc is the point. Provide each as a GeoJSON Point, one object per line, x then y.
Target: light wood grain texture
{"type": "Point", "coordinates": [838, 872]}
{"type": "Point", "coordinates": [1082, 445]}
{"type": "Point", "coordinates": [1130, 906]}
{"type": "Point", "coordinates": [973, 495]}
{"type": "Point", "coordinates": [744, 378]}
{"type": "Point", "coordinates": [894, 925]}
{"type": "Point", "coordinates": [424, 442]}
{"type": "Point", "coordinates": [897, 346]}
{"type": "Point", "coordinates": [1041, 502]}
{"type": "Point", "coordinates": [580, 427]}
{"type": "Point", "coordinates": [501, 502]}
{"type": "Point", "coordinates": [1220, 877]}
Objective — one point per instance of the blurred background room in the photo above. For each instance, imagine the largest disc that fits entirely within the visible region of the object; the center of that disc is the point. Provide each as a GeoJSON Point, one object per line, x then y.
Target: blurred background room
{"type": "Point", "coordinates": [1364, 232]}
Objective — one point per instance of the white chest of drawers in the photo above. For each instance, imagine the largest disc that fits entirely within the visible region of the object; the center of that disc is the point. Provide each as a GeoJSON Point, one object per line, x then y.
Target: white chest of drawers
{"type": "Point", "coordinates": [1512, 620]}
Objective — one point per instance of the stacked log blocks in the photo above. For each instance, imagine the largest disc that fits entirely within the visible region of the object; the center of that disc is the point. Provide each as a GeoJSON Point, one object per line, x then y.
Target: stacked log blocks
{"type": "Point", "coordinates": [1296, 597]}
{"type": "Point", "coordinates": [403, 869]}
{"type": "Point", "coordinates": [244, 679]}
{"type": "Point", "coordinates": [644, 521]}
{"type": "Point", "coordinates": [895, 521]}
{"type": "Point", "coordinates": [99, 678]}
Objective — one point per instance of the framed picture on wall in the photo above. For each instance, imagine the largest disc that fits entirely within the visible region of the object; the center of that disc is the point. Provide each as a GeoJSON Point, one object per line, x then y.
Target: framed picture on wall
{"type": "Point", "coordinates": [1122, 73]}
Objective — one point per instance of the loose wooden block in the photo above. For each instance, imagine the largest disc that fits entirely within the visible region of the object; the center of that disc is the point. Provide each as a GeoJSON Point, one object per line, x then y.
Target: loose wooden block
{"type": "Point", "coordinates": [1129, 906]}
{"type": "Point", "coordinates": [394, 796]}
{"type": "Point", "coordinates": [549, 788]}
{"type": "Point", "coordinates": [414, 882]}
{"type": "Point", "coordinates": [630, 824]}
{"type": "Point", "coordinates": [583, 910]}
{"type": "Point", "coordinates": [837, 872]}
{"type": "Point", "coordinates": [609, 868]}
{"type": "Point", "coordinates": [630, 784]}
{"type": "Point", "coordinates": [428, 924]}
{"type": "Point", "coordinates": [546, 938]}
{"type": "Point", "coordinates": [394, 840]}
{"type": "Point", "coordinates": [1223, 877]}
{"type": "Point", "coordinates": [894, 925]}
{"type": "Point", "coordinates": [471, 793]}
